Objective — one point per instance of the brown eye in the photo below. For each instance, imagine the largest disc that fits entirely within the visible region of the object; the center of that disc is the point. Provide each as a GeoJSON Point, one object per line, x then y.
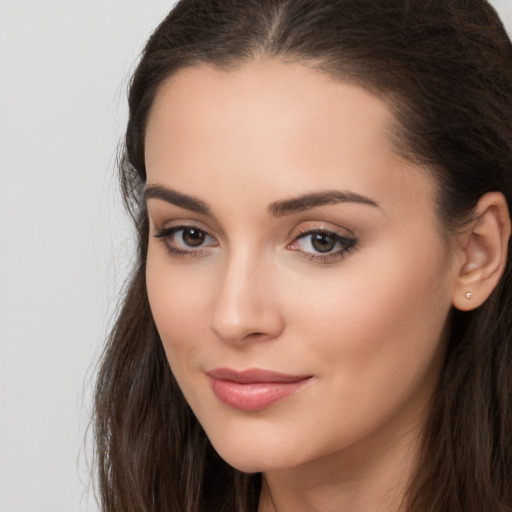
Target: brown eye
{"type": "Point", "coordinates": [322, 245]}
{"type": "Point", "coordinates": [186, 241]}
{"type": "Point", "coordinates": [323, 242]}
{"type": "Point", "coordinates": [193, 237]}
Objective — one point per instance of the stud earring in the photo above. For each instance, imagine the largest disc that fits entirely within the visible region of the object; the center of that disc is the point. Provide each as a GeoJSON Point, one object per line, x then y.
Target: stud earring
{"type": "Point", "coordinates": [468, 295]}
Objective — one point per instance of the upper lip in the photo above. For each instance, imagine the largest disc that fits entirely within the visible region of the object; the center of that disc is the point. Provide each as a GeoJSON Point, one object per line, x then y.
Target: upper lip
{"type": "Point", "coordinates": [253, 375]}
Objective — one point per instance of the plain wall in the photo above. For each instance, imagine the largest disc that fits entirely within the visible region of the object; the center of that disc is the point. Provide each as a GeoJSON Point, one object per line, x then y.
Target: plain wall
{"type": "Point", "coordinates": [65, 242]}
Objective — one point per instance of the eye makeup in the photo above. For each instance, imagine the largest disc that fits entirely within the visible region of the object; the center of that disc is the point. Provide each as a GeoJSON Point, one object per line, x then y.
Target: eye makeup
{"type": "Point", "coordinates": [322, 245]}
{"type": "Point", "coordinates": [186, 240]}
{"type": "Point", "coordinates": [319, 243]}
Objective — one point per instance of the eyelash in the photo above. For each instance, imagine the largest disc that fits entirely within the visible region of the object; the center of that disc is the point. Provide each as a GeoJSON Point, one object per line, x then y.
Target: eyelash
{"type": "Point", "coordinates": [167, 236]}
{"type": "Point", "coordinates": [346, 244]}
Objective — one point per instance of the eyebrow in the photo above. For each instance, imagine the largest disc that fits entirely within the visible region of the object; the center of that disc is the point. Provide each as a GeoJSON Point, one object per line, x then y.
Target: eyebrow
{"type": "Point", "coordinates": [308, 201]}
{"type": "Point", "coordinates": [176, 198]}
{"type": "Point", "coordinates": [276, 209]}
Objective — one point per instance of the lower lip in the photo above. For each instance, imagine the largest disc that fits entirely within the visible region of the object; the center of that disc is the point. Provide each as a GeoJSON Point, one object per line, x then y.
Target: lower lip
{"type": "Point", "coordinates": [255, 396]}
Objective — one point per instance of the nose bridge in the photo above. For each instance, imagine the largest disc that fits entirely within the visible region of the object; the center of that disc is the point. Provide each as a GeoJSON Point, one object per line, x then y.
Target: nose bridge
{"type": "Point", "coordinates": [243, 307]}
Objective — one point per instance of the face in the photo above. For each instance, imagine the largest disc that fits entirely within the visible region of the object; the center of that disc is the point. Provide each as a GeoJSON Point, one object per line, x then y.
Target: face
{"type": "Point", "coordinates": [296, 270]}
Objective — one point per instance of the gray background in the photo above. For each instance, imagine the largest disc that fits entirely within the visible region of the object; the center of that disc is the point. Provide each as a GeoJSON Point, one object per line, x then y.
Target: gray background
{"type": "Point", "coordinates": [65, 243]}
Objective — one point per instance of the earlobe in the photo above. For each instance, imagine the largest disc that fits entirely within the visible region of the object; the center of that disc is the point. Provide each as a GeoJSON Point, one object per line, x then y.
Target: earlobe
{"type": "Point", "coordinates": [484, 252]}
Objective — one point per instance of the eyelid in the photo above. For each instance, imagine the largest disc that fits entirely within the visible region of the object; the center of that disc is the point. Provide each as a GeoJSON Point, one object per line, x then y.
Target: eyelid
{"type": "Point", "coordinates": [344, 239]}
{"type": "Point", "coordinates": [171, 230]}
{"type": "Point", "coordinates": [347, 243]}
{"type": "Point", "coordinates": [167, 232]}
{"type": "Point", "coordinates": [183, 222]}
{"type": "Point", "coordinates": [305, 228]}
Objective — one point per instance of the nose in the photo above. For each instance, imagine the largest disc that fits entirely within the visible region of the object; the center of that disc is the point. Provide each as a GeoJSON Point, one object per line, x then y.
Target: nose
{"type": "Point", "coordinates": [244, 307]}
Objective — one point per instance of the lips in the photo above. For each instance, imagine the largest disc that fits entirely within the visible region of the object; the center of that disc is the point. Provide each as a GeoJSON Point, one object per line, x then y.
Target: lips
{"type": "Point", "coordinates": [254, 389]}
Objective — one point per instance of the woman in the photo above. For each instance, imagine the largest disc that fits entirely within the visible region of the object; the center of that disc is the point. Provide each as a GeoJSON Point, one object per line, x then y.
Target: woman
{"type": "Point", "coordinates": [319, 318]}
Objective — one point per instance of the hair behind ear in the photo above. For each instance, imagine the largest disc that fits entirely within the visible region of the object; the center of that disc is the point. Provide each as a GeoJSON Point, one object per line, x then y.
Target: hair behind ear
{"type": "Point", "coordinates": [467, 452]}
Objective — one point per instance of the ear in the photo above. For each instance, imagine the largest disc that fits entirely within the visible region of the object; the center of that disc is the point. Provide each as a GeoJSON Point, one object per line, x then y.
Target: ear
{"type": "Point", "coordinates": [483, 252]}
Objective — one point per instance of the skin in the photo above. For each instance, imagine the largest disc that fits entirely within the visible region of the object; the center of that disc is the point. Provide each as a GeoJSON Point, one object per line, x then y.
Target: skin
{"type": "Point", "coordinates": [369, 325]}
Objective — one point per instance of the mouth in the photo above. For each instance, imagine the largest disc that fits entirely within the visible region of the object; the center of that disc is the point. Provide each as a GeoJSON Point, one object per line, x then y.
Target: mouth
{"type": "Point", "coordinates": [254, 389]}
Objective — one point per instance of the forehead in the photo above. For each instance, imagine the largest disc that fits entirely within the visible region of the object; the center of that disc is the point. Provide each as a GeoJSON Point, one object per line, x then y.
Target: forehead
{"type": "Point", "coordinates": [288, 94]}
{"type": "Point", "coordinates": [278, 125]}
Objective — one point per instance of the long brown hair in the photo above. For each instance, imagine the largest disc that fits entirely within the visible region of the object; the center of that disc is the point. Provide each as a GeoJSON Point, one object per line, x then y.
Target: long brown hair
{"type": "Point", "coordinates": [445, 68]}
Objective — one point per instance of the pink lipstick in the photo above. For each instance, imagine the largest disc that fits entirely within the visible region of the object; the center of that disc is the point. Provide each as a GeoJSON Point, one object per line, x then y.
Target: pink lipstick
{"type": "Point", "coordinates": [253, 389]}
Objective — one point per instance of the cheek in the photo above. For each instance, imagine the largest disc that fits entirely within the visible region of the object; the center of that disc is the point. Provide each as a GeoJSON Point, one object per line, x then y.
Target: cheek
{"type": "Point", "coordinates": [369, 329]}
{"type": "Point", "coordinates": [383, 294]}
{"type": "Point", "coordinates": [376, 329]}
{"type": "Point", "coordinates": [177, 297]}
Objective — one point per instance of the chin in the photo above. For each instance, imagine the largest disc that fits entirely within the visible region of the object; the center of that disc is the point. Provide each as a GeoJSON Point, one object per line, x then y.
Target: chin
{"type": "Point", "coordinates": [256, 465]}
{"type": "Point", "coordinates": [255, 458]}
